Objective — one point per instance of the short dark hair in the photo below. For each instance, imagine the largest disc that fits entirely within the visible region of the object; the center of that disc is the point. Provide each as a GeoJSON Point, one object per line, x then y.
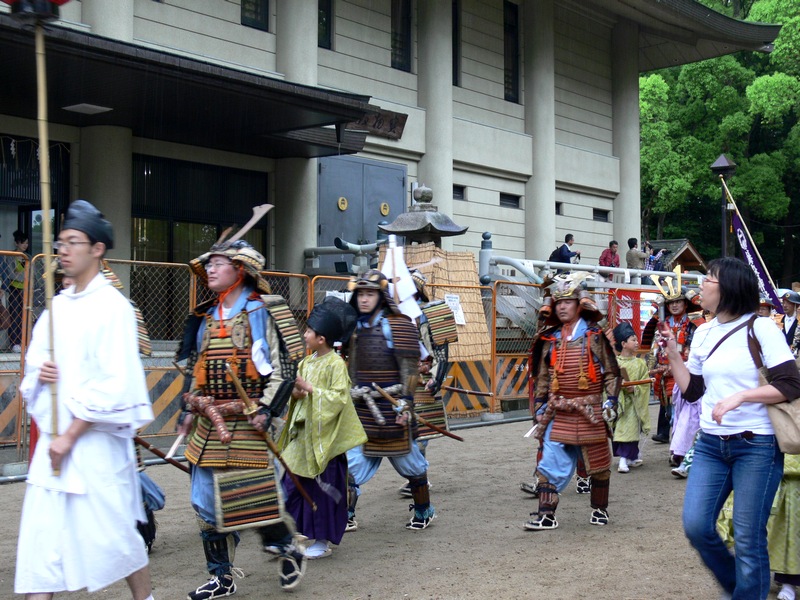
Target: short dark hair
{"type": "Point", "coordinates": [568, 237]}
{"type": "Point", "coordinates": [612, 242]}
{"type": "Point", "coordinates": [632, 243]}
{"type": "Point", "coordinates": [20, 236]}
{"type": "Point", "coordinates": [738, 286]}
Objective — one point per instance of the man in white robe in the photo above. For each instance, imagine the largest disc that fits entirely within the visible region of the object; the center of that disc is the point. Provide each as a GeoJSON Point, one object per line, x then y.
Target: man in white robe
{"type": "Point", "coordinates": [78, 527]}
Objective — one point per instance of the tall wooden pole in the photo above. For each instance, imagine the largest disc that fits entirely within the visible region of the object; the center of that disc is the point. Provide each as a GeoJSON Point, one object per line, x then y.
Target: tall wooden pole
{"type": "Point", "coordinates": [44, 187]}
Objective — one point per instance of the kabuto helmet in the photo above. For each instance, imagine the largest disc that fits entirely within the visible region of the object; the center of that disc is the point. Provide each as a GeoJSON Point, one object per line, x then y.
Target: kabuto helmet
{"type": "Point", "coordinates": [570, 287]}
{"type": "Point", "coordinates": [371, 280]}
{"type": "Point", "coordinates": [242, 253]}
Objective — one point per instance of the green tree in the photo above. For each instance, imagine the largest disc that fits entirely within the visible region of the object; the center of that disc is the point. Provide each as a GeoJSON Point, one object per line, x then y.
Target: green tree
{"type": "Point", "coordinates": [746, 106]}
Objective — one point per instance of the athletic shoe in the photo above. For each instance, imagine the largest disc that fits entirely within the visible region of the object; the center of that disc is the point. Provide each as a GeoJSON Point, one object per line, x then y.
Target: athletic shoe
{"type": "Point", "coordinates": [635, 463]}
{"type": "Point", "coordinates": [539, 522]}
{"type": "Point", "coordinates": [420, 521]}
{"type": "Point", "coordinates": [352, 524]}
{"type": "Point", "coordinates": [292, 567]}
{"type": "Point", "coordinates": [583, 485]}
{"type": "Point", "coordinates": [530, 488]}
{"type": "Point", "coordinates": [216, 587]}
{"type": "Point", "coordinates": [680, 472]}
{"type": "Point", "coordinates": [623, 468]}
{"type": "Point", "coordinates": [599, 517]}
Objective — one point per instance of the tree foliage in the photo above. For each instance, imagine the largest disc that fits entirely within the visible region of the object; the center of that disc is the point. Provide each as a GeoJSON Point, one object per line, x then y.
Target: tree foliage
{"type": "Point", "coordinates": [746, 106]}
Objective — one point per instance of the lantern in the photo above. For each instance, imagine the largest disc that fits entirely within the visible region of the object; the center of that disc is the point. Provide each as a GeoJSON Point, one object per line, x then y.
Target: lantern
{"type": "Point", "coordinates": [33, 10]}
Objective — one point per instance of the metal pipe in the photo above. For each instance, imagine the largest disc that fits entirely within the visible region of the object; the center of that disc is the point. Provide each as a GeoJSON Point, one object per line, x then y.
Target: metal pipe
{"type": "Point", "coordinates": [521, 267]}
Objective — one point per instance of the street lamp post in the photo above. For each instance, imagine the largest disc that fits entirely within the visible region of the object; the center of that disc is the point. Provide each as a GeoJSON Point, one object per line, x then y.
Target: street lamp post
{"type": "Point", "coordinates": [724, 168]}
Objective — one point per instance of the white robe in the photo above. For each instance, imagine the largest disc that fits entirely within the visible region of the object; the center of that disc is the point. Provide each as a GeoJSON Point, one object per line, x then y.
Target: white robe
{"type": "Point", "coordinates": [78, 530]}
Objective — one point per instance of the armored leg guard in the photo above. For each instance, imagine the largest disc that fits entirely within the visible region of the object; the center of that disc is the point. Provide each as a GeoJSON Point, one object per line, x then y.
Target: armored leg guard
{"type": "Point", "coordinates": [599, 498]}
{"type": "Point", "coordinates": [424, 513]}
{"type": "Point", "coordinates": [352, 500]}
{"type": "Point", "coordinates": [600, 483]}
{"type": "Point", "coordinates": [219, 548]}
{"type": "Point", "coordinates": [545, 518]}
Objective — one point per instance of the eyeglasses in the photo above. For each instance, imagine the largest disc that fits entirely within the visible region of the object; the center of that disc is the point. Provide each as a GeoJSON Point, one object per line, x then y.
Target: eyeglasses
{"type": "Point", "coordinates": [60, 246]}
{"type": "Point", "coordinates": [707, 280]}
{"type": "Point", "coordinates": [217, 265]}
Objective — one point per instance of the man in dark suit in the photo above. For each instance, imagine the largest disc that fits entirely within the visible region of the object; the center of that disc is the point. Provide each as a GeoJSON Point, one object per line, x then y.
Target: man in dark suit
{"type": "Point", "coordinates": [789, 302]}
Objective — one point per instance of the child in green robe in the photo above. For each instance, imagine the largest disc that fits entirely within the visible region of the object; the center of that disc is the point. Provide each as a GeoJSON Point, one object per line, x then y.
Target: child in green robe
{"type": "Point", "coordinates": [321, 425]}
{"type": "Point", "coordinates": [633, 418]}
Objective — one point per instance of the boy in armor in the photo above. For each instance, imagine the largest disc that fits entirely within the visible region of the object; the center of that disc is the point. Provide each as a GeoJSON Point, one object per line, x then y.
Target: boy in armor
{"type": "Point", "coordinates": [255, 333]}
{"type": "Point", "coordinates": [385, 350]}
{"type": "Point", "coordinates": [574, 365]}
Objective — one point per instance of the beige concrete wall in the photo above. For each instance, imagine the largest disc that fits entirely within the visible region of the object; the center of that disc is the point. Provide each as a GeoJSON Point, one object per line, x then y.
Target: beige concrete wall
{"type": "Point", "coordinates": [206, 29]}
{"type": "Point", "coordinates": [480, 97]}
{"type": "Point", "coordinates": [361, 58]}
{"type": "Point", "coordinates": [491, 151]}
{"type": "Point", "coordinates": [583, 82]}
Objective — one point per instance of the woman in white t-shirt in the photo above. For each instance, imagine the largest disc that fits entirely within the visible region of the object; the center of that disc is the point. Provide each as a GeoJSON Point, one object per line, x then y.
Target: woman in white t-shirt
{"type": "Point", "coordinates": [736, 448]}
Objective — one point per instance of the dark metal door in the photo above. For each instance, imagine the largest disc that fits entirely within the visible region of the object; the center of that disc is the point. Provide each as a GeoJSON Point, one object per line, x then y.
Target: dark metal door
{"type": "Point", "coordinates": [355, 194]}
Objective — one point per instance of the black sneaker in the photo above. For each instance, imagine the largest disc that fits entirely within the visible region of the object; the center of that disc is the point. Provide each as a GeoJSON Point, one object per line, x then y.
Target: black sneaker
{"type": "Point", "coordinates": [539, 522]}
{"type": "Point", "coordinates": [291, 567]}
{"type": "Point", "coordinates": [216, 587]}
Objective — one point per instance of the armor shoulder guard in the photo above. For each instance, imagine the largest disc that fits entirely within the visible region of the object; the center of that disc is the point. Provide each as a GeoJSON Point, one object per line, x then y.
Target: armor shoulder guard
{"type": "Point", "coordinates": [286, 325]}
{"type": "Point", "coordinates": [405, 336]}
{"type": "Point", "coordinates": [442, 323]}
{"type": "Point", "coordinates": [194, 320]}
{"type": "Point", "coordinates": [537, 351]}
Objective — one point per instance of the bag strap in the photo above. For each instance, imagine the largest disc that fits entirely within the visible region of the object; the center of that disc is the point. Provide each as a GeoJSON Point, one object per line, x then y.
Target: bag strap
{"type": "Point", "coordinates": [729, 334]}
{"type": "Point", "coordinates": [753, 344]}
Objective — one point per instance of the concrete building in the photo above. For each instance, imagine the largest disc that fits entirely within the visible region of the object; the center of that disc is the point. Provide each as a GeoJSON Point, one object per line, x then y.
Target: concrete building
{"type": "Point", "coordinates": [176, 116]}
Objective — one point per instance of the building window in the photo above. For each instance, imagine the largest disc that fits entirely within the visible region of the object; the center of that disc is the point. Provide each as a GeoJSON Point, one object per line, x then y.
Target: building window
{"type": "Point", "coordinates": [325, 25]}
{"type": "Point", "coordinates": [459, 192]}
{"type": "Point", "coordinates": [255, 13]}
{"type": "Point", "coordinates": [457, 42]}
{"type": "Point", "coordinates": [511, 50]}
{"type": "Point", "coordinates": [601, 215]}
{"type": "Point", "coordinates": [401, 35]}
{"type": "Point", "coordinates": [559, 208]}
{"type": "Point", "coordinates": [509, 200]}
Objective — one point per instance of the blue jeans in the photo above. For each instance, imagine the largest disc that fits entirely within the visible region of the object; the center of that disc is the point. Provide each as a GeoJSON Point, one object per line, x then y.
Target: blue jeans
{"type": "Point", "coordinates": [752, 469]}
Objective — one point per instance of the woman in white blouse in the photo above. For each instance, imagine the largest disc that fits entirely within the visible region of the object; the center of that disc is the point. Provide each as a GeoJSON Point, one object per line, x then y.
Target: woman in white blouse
{"type": "Point", "coordinates": [736, 448]}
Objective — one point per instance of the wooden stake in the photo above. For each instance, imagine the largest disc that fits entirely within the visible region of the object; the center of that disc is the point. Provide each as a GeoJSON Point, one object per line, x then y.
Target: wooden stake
{"type": "Point", "coordinates": [47, 229]}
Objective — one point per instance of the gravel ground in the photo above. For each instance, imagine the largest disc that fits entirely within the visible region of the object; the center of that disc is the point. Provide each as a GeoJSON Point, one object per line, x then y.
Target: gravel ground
{"type": "Point", "coordinates": [477, 547]}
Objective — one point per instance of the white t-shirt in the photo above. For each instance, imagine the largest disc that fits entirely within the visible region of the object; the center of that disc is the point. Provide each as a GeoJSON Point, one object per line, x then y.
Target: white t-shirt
{"type": "Point", "coordinates": [731, 369]}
